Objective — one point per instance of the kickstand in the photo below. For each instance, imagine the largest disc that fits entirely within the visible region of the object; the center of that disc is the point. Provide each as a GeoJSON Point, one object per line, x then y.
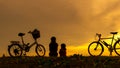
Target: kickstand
{"type": "Point", "coordinates": [24, 54]}
{"type": "Point", "coordinates": [110, 53]}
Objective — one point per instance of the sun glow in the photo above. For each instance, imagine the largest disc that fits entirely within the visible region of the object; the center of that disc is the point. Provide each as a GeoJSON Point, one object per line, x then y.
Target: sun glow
{"type": "Point", "coordinates": [77, 49]}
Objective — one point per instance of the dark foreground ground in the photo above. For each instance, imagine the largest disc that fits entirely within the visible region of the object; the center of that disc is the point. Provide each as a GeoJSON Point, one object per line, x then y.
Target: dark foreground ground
{"type": "Point", "coordinates": [75, 61]}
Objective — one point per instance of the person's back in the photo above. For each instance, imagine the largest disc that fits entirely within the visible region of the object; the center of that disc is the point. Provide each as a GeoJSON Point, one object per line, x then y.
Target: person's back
{"type": "Point", "coordinates": [53, 47]}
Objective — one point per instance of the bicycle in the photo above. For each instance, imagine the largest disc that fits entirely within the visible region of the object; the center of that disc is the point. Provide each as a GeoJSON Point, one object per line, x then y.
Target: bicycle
{"type": "Point", "coordinates": [17, 49]}
{"type": "Point", "coordinates": [96, 48]}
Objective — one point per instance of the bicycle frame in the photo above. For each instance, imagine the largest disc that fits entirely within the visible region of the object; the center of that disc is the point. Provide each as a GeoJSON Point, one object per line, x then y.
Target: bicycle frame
{"type": "Point", "coordinates": [27, 45]}
{"type": "Point", "coordinates": [101, 40]}
{"type": "Point", "coordinates": [109, 46]}
{"type": "Point", "coordinates": [33, 44]}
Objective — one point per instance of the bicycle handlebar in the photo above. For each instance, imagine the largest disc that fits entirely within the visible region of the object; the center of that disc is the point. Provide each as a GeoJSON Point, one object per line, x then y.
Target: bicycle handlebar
{"type": "Point", "coordinates": [33, 31]}
{"type": "Point", "coordinates": [99, 35]}
{"type": "Point", "coordinates": [30, 32]}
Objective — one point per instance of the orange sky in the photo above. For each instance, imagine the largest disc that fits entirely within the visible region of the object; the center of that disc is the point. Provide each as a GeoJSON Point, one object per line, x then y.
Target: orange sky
{"type": "Point", "coordinates": [73, 22]}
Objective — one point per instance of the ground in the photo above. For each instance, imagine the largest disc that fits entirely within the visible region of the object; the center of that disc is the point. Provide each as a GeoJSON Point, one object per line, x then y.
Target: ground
{"type": "Point", "coordinates": [75, 61]}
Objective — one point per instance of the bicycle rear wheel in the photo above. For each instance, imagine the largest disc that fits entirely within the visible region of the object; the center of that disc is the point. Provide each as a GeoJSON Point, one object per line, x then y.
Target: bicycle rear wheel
{"type": "Point", "coordinates": [95, 49]}
{"type": "Point", "coordinates": [40, 50]}
{"type": "Point", "coordinates": [14, 50]}
{"type": "Point", "coordinates": [117, 47]}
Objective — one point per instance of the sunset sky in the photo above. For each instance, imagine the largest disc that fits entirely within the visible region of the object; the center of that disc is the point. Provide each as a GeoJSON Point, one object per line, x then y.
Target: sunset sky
{"type": "Point", "coordinates": [73, 22]}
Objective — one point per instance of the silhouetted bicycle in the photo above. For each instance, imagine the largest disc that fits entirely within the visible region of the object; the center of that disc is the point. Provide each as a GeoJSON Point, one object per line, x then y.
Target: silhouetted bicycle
{"type": "Point", "coordinates": [17, 49]}
{"type": "Point", "coordinates": [96, 47]}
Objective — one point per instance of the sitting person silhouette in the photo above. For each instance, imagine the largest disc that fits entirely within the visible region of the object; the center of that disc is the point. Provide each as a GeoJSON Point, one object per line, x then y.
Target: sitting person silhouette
{"type": "Point", "coordinates": [62, 51]}
{"type": "Point", "coordinates": [53, 47]}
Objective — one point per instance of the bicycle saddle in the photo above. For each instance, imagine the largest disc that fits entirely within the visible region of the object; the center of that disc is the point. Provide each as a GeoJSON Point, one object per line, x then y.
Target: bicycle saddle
{"type": "Point", "coordinates": [113, 32]}
{"type": "Point", "coordinates": [21, 34]}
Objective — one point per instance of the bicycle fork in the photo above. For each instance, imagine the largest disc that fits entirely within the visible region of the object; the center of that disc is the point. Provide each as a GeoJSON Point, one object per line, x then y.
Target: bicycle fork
{"type": "Point", "coordinates": [96, 47]}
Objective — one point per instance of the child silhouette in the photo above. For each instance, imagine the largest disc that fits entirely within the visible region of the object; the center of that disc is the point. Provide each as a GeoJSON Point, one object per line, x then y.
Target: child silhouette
{"type": "Point", "coordinates": [62, 51]}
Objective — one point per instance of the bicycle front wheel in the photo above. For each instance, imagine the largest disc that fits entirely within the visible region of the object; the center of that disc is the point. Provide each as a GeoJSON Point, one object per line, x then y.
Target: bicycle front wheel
{"type": "Point", "coordinates": [14, 50]}
{"type": "Point", "coordinates": [117, 47]}
{"type": "Point", "coordinates": [95, 49]}
{"type": "Point", "coordinates": [40, 50]}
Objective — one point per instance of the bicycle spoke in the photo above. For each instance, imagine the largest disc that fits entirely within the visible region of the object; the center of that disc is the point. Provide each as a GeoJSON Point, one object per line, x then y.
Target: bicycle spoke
{"type": "Point", "coordinates": [40, 50]}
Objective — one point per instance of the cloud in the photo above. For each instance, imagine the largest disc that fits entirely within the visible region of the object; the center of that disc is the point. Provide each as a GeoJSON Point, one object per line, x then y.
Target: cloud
{"type": "Point", "coordinates": [106, 7]}
{"type": "Point", "coordinates": [73, 20]}
{"type": "Point", "coordinates": [40, 10]}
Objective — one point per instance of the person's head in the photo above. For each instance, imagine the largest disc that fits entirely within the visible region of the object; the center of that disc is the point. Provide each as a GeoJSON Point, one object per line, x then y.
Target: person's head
{"type": "Point", "coordinates": [63, 45]}
{"type": "Point", "coordinates": [53, 38]}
